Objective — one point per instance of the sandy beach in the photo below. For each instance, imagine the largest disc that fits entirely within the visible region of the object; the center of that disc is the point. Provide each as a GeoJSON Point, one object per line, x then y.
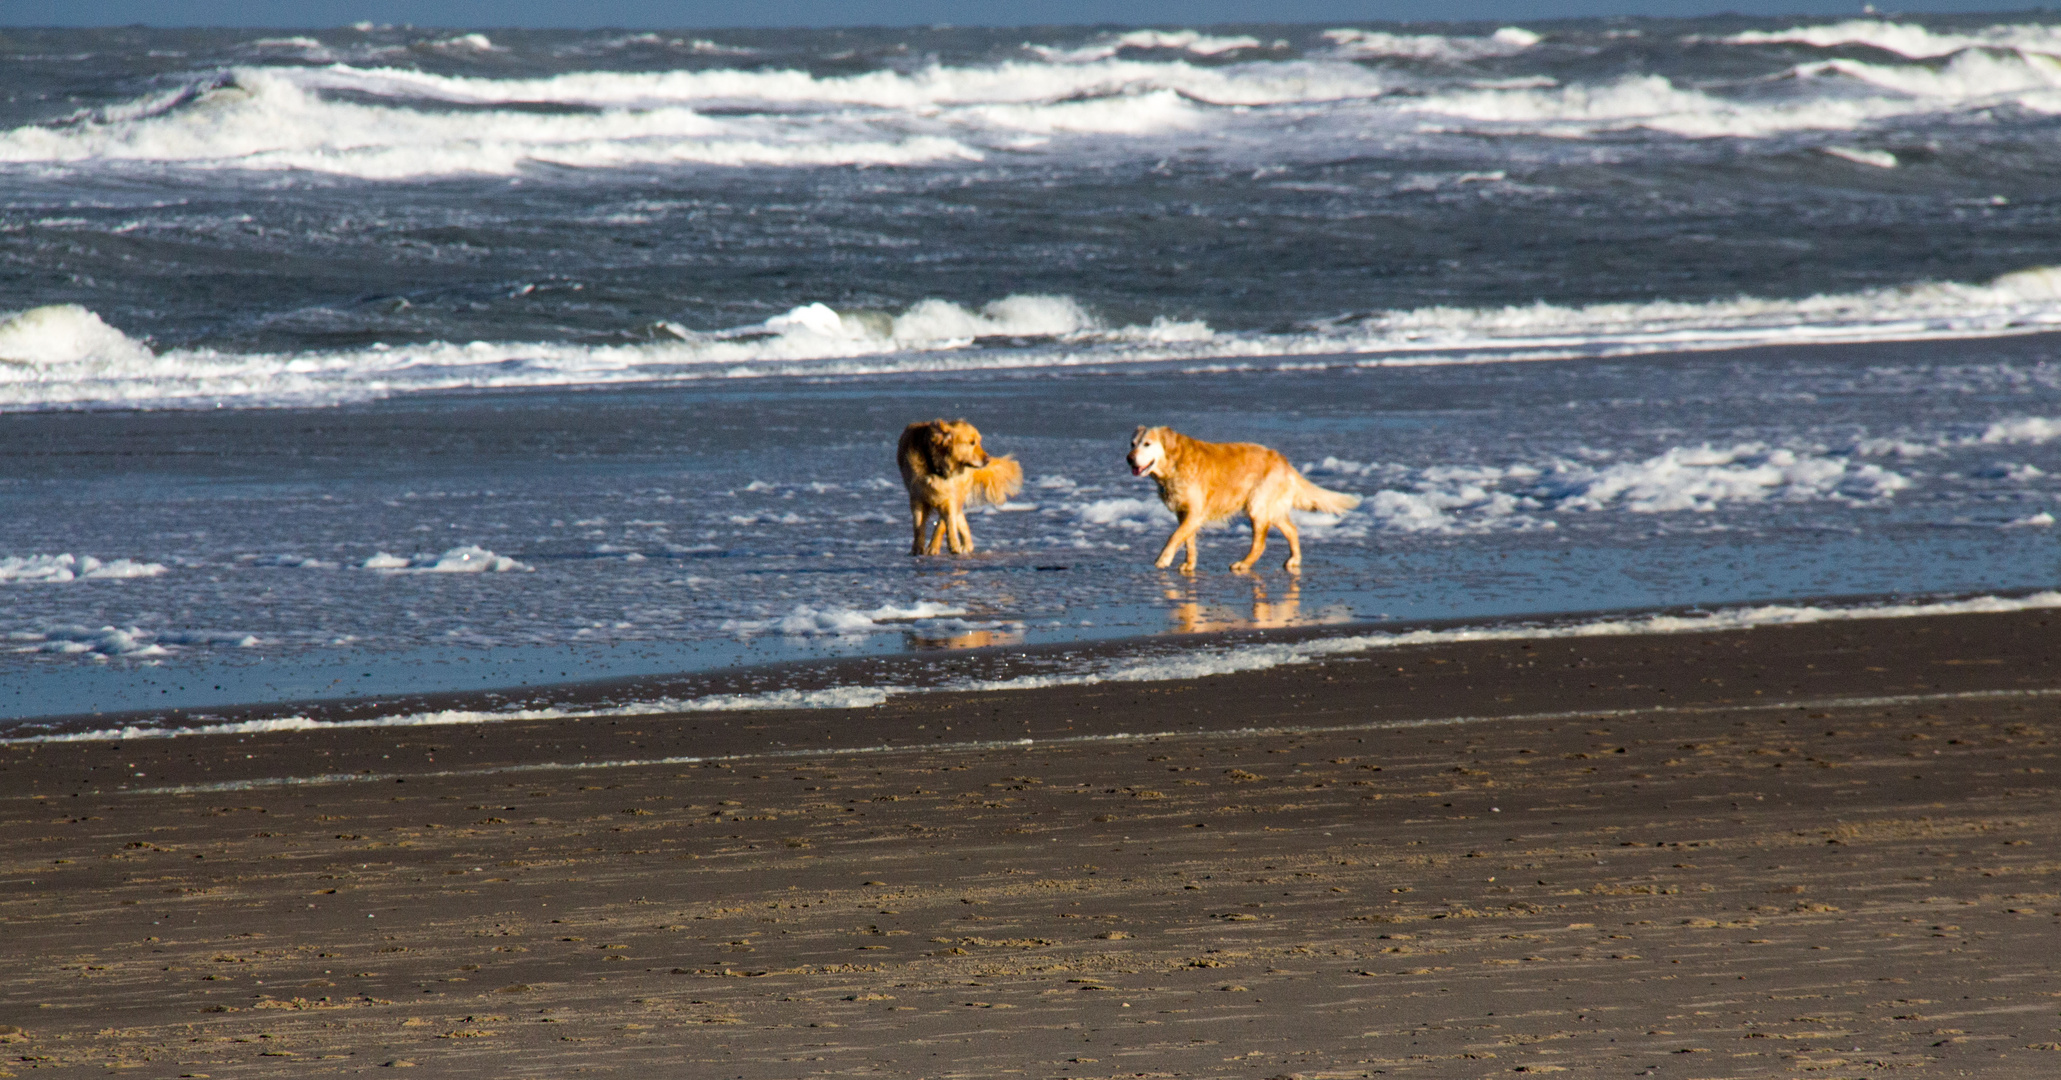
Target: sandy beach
{"type": "Point", "coordinates": [1805, 851]}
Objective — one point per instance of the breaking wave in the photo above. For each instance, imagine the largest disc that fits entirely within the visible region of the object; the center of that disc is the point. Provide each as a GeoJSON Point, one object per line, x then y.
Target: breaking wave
{"type": "Point", "coordinates": [1855, 96]}
{"type": "Point", "coordinates": [374, 115]}
{"type": "Point", "coordinates": [1908, 39]}
{"type": "Point", "coordinates": [65, 356]}
{"type": "Point", "coordinates": [1371, 44]}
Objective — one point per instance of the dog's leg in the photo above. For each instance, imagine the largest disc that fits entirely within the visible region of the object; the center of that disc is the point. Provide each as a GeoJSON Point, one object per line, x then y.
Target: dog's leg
{"type": "Point", "coordinates": [1259, 547]}
{"type": "Point", "coordinates": [936, 546]}
{"type": "Point", "coordinates": [1294, 563]}
{"type": "Point", "coordinates": [1184, 534]}
{"type": "Point", "coordinates": [922, 515]}
{"type": "Point", "coordinates": [962, 533]}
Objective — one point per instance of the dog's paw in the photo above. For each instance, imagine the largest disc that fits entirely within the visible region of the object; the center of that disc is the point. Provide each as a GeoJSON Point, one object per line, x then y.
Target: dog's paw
{"type": "Point", "coordinates": [1241, 566]}
{"type": "Point", "coordinates": [1293, 566]}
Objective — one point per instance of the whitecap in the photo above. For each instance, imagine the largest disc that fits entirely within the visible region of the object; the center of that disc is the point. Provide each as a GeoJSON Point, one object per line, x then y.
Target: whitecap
{"type": "Point", "coordinates": [1372, 44]}
{"type": "Point", "coordinates": [70, 358]}
{"type": "Point", "coordinates": [1189, 41]}
{"type": "Point", "coordinates": [467, 559]}
{"type": "Point", "coordinates": [1908, 39]}
{"type": "Point", "coordinates": [62, 568]}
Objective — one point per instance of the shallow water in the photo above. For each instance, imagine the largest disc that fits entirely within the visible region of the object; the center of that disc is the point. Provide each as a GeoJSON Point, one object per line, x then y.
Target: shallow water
{"type": "Point", "coordinates": [484, 539]}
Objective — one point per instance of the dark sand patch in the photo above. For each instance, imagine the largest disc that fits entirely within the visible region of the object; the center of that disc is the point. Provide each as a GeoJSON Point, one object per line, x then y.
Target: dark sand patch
{"type": "Point", "coordinates": [1656, 862]}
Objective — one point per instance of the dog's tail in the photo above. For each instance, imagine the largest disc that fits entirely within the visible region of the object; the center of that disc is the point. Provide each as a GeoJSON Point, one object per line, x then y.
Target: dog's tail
{"type": "Point", "coordinates": [996, 481]}
{"type": "Point", "coordinates": [1309, 496]}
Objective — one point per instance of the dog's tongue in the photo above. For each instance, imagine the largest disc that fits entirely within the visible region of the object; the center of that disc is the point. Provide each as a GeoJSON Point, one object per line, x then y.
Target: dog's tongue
{"type": "Point", "coordinates": [1137, 470]}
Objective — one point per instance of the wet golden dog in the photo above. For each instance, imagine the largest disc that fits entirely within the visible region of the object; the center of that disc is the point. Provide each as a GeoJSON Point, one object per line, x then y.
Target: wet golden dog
{"type": "Point", "coordinates": [945, 468]}
{"type": "Point", "coordinates": [1202, 482]}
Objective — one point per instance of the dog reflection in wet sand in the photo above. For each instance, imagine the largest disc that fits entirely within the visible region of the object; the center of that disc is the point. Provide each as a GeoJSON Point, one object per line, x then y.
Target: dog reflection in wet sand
{"type": "Point", "coordinates": [945, 468]}
{"type": "Point", "coordinates": [1191, 616]}
{"type": "Point", "coordinates": [1204, 482]}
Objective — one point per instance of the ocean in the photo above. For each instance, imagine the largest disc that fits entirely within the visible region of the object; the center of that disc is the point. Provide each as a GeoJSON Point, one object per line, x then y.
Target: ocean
{"type": "Point", "coordinates": [380, 361]}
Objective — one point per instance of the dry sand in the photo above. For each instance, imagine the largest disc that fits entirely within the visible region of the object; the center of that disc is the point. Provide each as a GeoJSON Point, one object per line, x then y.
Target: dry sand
{"type": "Point", "coordinates": [1820, 851]}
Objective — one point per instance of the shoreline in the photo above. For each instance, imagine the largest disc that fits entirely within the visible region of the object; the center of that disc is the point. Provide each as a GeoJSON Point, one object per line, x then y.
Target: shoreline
{"type": "Point", "coordinates": [1914, 660]}
{"type": "Point", "coordinates": [870, 680]}
{"type": "Point", "coordinates": [1813, 849]}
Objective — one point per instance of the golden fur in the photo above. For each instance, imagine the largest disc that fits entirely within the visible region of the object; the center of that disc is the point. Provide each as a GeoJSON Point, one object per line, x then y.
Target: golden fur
{"type": "Point", "coordinates": [1202, 482]}
{"type": "Point", "coordinates": [945, 468]}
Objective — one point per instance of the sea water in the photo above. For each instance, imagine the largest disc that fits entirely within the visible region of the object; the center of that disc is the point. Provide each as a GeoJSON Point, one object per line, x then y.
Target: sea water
{"type": "Point", "coordinates": [385, 360]}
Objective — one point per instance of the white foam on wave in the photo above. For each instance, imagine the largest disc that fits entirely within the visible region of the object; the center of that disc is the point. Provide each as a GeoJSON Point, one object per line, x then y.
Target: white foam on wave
{"type": "Point", "coordinates": [394, 124]}
{"type": "Point", "coordinates": [1700, 478]}
{"type": "Point", "coordinates": [474, 42]}
{"type": "Point", "coordinates": [814, 330]}
{"type": "Point", "coordinates": [1125, 513]}
{"type": "Point", "coordinates": [1374, 44]}
{"type": "Point", "coordinates": [58, 569]}
{"type": "Point", "coordinates": [1471, 499]}
{"type": "Point", "coordinates": [2019, 302]}
{"type": "Point", "coordinates": [2022, 429]}
{"type": "Point", "coordinates": [65, 335]}
{"type": "Point", "coordinates": [807, 620]}
{"type": "Point", "coordinates": [1880, 159]}
{"type": "Point", "coordinates": [67, 357]}
{"type": "Point", "coordinates": [127, 642]}
{"type": "Point", "coordinates": [1856, 95]}
{"type": "Point", "coordinates": [1450, 499]}
{"type": "Point", "coordinates": [1970, 79]}
{"type": "Point", "coordinates": [272, 120]}
{"type": "Point", "coordinates": [1188, 41]}
{"type": "Point", "coordinates": [836, 697]}
{"type": "Point", "coordinates": [932, 90]}
{"type": "Point", "coordinates": [468, 559]}
{"type": "Point", "coordinates": [1141, 87]}
{"type": "Point", "coordinates": [1908, 39]}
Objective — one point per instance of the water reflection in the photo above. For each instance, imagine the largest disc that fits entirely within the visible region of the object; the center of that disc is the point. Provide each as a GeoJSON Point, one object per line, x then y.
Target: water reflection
{"type": "Point", "coordinates": [1190, 615]}
{"type": "Point", "coordinates": [972, 594]}
{"type": "Point", "coordinates": [964, 639]}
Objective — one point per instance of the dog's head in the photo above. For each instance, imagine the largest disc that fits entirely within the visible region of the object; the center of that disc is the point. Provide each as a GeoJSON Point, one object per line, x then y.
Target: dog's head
{"type": "Point", "coordinates": [954, 445]}
{"type": "Point", "coordinates": [1148, 451]}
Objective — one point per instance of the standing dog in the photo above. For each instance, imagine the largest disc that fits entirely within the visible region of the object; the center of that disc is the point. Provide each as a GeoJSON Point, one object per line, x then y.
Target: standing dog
{"type": "Point", "coordinates": [1203, 482]}
{"type": "Point", "coordinates": [944, 468]}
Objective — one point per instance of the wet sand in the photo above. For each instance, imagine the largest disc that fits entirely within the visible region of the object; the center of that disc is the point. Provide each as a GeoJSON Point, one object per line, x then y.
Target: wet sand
{"type": "Point", "coordinates": [1823, 851]}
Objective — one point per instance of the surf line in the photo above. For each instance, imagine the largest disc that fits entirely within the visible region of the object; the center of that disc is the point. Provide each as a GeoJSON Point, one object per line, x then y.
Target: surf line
{"type": "Point", "coordinates": [979, 745]}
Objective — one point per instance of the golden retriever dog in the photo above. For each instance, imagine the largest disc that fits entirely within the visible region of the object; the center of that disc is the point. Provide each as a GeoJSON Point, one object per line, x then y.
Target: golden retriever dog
{"type": "Point", "coordinates": [945, 468]}
{"type": "Point", "coordinates": [1202, 482]}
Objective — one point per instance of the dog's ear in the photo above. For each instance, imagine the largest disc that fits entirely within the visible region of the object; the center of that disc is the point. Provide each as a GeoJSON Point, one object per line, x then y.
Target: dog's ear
{"type": "Point", "coordinates": [938, 446]}
{"type": "Point", "coordinates": [1138, 434]}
